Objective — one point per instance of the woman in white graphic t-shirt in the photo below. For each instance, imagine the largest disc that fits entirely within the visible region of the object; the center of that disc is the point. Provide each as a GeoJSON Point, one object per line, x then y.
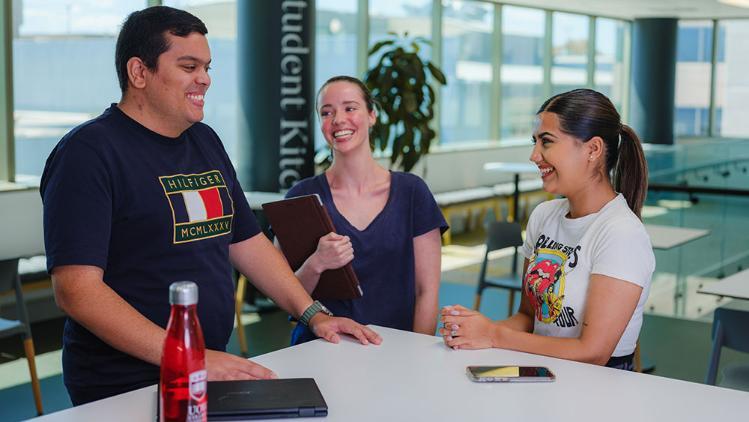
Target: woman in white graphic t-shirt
{"type": "Point", "coordinates": [589, 261]}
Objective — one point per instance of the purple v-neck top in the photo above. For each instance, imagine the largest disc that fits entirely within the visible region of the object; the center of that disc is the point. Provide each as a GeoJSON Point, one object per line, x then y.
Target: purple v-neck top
{"type": "Point", "coordinates": [383, 251]}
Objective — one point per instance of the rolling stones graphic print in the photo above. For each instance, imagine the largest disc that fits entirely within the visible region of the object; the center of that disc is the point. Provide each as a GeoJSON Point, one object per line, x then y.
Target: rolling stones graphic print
{"type": "Point", "coordinates": [545, 281]}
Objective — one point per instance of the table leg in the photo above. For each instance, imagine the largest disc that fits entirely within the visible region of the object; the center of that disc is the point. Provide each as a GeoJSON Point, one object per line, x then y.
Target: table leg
{"type": "Point", "coordinates": [680, 290]}
{"type": "Point", "coordinates": [515, 206]}
{"type": "Point", "coordinates": [516, 198]}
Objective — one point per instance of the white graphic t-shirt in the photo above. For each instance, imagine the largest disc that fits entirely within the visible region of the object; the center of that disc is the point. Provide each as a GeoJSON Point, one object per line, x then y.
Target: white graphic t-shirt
{"type": "Point", "coordinates": [564, 252]}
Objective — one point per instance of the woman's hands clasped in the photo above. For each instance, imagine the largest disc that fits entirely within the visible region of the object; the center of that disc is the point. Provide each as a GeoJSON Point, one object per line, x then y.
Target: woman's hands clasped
{"type": "Point", "coordinates": [464, 328]}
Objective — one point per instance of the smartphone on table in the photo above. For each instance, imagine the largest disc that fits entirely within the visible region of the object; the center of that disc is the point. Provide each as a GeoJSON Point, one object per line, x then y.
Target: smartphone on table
{"type": "Point", "coordinates": [510, 374]}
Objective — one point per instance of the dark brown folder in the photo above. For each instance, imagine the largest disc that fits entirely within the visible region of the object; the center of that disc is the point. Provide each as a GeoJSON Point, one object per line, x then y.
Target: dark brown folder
{"type": "Point", "coordinates": [298, 224]}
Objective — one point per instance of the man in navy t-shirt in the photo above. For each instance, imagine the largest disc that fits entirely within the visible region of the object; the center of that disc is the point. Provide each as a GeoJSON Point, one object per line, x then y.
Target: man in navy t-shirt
{"type": "Point", "coordinates": [145, 195]}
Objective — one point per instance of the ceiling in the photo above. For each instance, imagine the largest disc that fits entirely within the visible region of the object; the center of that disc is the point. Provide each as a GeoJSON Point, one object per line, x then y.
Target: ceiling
{"type": "Point", "coordinates": [631, 9]}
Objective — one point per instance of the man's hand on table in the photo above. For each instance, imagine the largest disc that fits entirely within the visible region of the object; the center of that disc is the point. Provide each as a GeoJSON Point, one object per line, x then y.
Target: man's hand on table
{"type": "Point", "coordinates": [329, 328]}
{"type": "Point", "coordinates": [224, 366]}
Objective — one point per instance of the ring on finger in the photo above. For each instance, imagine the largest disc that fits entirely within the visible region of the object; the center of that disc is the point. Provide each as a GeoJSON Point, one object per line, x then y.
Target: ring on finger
{"type": "Point", "coordinates": [454, 333]}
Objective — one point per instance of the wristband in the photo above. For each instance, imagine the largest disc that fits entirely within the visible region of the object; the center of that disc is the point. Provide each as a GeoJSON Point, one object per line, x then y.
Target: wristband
{"type": "Point", "coordinates": [312, 310]}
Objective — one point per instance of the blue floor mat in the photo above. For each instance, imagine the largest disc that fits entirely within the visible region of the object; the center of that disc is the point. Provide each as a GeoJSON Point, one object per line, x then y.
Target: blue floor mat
{"type": "Point", "coordinates": [18, 402]}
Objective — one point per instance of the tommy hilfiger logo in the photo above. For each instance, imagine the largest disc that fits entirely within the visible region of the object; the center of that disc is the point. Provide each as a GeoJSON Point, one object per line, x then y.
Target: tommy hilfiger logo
{"type": "Point", "coordinates": [201, 205]}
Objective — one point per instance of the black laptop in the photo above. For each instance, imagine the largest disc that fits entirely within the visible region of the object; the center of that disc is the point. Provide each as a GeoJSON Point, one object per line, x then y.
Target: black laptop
{"type": "Point", "coordinates": [265, 399]}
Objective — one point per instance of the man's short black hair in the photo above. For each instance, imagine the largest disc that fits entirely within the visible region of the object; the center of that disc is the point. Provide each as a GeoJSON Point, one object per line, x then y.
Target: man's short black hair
{"type": "Point", "coordinates": [143, 35]}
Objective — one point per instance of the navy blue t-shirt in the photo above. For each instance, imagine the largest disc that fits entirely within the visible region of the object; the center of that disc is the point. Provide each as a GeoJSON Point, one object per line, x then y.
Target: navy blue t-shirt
{"type": "Point", "coordinates": [383, 252]}
{"type": "Point", "coordinates": [149, 210]}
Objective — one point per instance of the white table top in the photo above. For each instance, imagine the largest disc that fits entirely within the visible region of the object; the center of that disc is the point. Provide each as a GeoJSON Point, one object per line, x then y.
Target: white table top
{"type": "Point", "coordinates": [667, 237]}
{"type": "Point", "coordinates": [735, 286]}
{"type": "Point", "coordinates": [414, 377]}
{"type": "Point", "coordinates": [257, 199]}
{"type": "Point", "coordinates": [511, 167]}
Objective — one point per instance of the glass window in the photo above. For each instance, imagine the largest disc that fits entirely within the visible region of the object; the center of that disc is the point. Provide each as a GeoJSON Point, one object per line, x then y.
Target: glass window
{"type": "Point", "coordinates": [692, 99]}
{"type": "Point", "coordinates": [63, 71]}
{"type": "Point", "coordinates": [569, 69]}
{"type": "Point", "coordinates": [400, 16]}
{"type": "Point", "coordinates": [466, 61]}
{"type": "Point", "coordinates": [522, 72]}
{"type": "Point", "coordinates": [335, 45]}
{"type": "Point", "coordinates": [609, 75]}
{"type": "Point", "coordinates": [732, 79]}
{"type": "Point", "coordinates": [222, 103]}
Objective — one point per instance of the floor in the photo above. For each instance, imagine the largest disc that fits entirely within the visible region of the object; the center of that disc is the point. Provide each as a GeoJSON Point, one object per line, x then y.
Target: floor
{"type": "Point", "coordinates": [678, 343]}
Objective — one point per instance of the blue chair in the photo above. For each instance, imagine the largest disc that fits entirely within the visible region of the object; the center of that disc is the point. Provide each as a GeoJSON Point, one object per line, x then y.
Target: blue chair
{"type": "Point", "coordinates": [500, 235]}
{"type": "Point", "coordinates": [9, 280]}
{"type": "Point", "coordinates": [729, 330]}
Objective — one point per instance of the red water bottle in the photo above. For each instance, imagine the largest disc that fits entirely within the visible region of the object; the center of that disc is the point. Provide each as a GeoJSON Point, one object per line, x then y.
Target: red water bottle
{"type": "Point", "coordinates": [183, 375]}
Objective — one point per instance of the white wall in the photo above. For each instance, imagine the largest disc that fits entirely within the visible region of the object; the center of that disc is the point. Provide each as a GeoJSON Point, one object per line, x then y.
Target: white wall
{"type": "Point", "coordinates": [21, 224]}
{"type": "Point", "coordinates": [448, 169]}
{"type": "Point", "coordinates": [736, 89]}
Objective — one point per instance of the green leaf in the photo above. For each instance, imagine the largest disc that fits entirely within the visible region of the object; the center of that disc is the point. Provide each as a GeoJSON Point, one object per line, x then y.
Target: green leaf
{"type": "Point", "coordinates": [375, 135]}
{"type": "Point", "coordinates": [430, 91]}
{"type": "Point", "coordinates": [409, 159]}
{"type": "Point", "coordinates": [385, 136]}
{"type": "Point", "coordinates": [375, 48]}
{"type": "Point", "coordinates": [371, 77]}
{"type": "Point", "coordinates": [427, 136]}
{"type": "Point", "coordinates": [407, 148]}
{"type": "Point", "coordinates": [437, 73]}
{"type": "Point", "coordinates": [409, 102]}
{"type": "Point", "coordinates": [397, 149]}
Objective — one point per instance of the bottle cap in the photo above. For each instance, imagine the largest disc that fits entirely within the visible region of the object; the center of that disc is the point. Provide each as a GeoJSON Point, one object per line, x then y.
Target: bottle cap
{"type": "Point", "coordinates": [183, 293]}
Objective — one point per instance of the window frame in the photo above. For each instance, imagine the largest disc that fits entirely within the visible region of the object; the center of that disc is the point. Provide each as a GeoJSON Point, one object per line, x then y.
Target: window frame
{"type": "Point", "coordinates": [7, 137]}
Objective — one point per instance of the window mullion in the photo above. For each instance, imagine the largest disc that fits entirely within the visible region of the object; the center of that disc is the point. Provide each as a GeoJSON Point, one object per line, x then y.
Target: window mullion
{"type": "Point", "coordinates": [713, 80]}
{"type": "Point", "coordinates": [7, 146]}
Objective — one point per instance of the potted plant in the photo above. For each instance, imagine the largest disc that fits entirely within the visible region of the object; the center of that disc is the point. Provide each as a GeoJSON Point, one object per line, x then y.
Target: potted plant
{"type": "Point", "coordinates": [400, 82]}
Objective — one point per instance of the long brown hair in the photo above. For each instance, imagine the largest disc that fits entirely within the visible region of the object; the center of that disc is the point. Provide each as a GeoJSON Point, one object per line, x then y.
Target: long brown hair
{"type": "Point", "coordinates": [584, 114]}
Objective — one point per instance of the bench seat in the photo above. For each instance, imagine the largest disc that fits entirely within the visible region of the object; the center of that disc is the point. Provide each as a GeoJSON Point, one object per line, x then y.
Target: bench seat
{"type": "Point", "coordinates": [33, 269]}
{"type": "Point", "coordinates": [482, 199]}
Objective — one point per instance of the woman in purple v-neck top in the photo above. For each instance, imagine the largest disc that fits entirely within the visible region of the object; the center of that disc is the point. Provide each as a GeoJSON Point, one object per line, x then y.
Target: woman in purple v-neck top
{"type": "Point", "coordinates": [387, 223]}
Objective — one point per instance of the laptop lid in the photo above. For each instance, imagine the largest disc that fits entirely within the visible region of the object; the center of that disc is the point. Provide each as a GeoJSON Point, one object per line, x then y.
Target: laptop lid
{"type": "Point", "coordinates": [265, 399]}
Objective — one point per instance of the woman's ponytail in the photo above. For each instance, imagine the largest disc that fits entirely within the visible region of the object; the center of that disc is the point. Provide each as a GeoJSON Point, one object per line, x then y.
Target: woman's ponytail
{"type": "Point", "coordinates": [630, 176]}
